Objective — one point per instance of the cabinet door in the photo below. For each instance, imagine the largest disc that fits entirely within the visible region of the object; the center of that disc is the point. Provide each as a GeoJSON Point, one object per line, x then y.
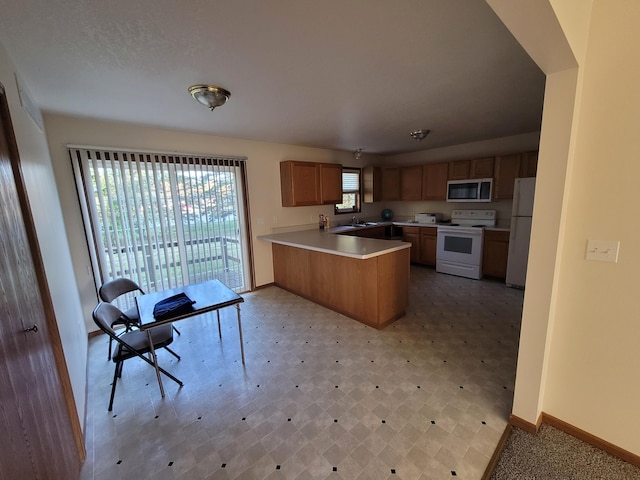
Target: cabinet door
{"type": "Point", "coordinates": [507, 169]}
{"type": "Point", "coordinates": [300, 183]}
{"type": "Point", "coordinates": [428, 242]}
{"type": "Point", "coordinates": [411, 183]}
{"type": "Point", "coordinates": [330, 183]}
{"type": "Point", "coordinates": [495, 253]}
{"type": "Point", "coordinates": [391, 183]}
{"type": "Point", "coordinates": [529, 164]}
{"type": "Point", "coordinates": [412, 235]}
{"type": "Point", "coordinates": [482, 167]}
{"type": "Point", "coordinates": [372, 184]}
{"type": "Point", "coordinates": [434, 181]}
{"type": "Point", "coordinates": [460, 170]}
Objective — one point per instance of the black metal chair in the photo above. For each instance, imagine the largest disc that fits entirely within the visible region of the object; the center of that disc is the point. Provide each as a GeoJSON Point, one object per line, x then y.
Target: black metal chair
{"type": "Point", "coordinates": [134, 343]}
{"type": "Point", "coordinates": [115, 288]}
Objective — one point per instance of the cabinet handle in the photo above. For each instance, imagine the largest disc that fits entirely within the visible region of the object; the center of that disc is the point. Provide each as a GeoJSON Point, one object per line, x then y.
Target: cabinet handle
{"type": "Point", "coordinates": [33, 329]}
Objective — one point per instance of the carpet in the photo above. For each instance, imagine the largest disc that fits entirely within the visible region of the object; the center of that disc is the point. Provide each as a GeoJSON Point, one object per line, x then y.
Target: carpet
{"type": "Point", "coordinates": [553, 455]}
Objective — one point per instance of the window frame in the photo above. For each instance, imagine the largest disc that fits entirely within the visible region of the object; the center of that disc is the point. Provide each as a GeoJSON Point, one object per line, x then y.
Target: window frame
{"type": "Point", "coordinates": [358, 192]}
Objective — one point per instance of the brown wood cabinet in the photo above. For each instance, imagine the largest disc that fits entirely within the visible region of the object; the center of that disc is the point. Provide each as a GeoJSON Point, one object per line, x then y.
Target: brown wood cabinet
{"type": "Point", "coordinates": [390, 183]}
{"type": "Point", "coordinates": [412, 235]}
{"type": "Point", "coordinates": [473, 168]}
{"type": "Point", "coordinates": [482, 167]}
{"type": "Point", "coordinates": [434, 181]}
{"type": "Point", "coordinates": [459, 170]}
{"type": "Point", "coordinates": [374, 291]}
{"type": "Point", "coordinates": [507, 169]}
{"type": "Point", "coordinates": [495, 253]}
{"type": "Point", "coordinates": [309, 183]}
{"type": "Point", "coordinates": [428, 242]}
{"type": "Point", "coordinates": [423, 244]}
{"type": "Point", "coordinates": [330, 183]}
{"type": "Point", "coordinates": [529, 164]}
{"type": "Point", "coordinates": [411, 182]}
{"type": "Point", "coordinates": [369, 232]}
{"type": "Point", "coordinates": [372, 184]}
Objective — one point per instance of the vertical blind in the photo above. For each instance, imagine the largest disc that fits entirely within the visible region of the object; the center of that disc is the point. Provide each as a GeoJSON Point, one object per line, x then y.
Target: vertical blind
{"type": "Point", "coordinates": [163, 220]}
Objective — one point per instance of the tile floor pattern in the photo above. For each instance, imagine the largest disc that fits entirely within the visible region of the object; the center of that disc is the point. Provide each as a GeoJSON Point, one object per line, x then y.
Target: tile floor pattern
{"type": "Point", "coordinates": [321, 396]}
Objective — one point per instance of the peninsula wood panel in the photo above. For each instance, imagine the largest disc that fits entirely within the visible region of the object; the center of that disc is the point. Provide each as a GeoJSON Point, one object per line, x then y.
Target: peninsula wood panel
{"type": "Point", "coordinates": [373, 291]}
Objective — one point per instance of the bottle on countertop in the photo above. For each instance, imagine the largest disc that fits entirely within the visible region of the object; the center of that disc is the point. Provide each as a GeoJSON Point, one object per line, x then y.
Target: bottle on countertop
{"type": "Point", "coordinates": [322, 222]}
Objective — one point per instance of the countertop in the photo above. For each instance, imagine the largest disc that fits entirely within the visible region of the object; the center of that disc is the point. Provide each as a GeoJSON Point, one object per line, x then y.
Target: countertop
{"type": "Point", "coordinates": [330, 242]}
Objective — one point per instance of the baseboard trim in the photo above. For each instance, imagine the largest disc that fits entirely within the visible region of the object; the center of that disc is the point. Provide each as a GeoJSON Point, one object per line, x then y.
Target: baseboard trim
{"type": "Point", "coordinates": [580, 434]}
{"type": "Point", "coordinates": [496, 454]}
{"type": "Point", "coordinates": [524, 424]}
{"type": "Point", "coordinates": [587, 437]}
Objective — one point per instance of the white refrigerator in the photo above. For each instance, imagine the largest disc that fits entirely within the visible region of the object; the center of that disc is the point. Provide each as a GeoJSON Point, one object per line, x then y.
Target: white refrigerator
{"type": "Point", "coordinates": [520, 232]}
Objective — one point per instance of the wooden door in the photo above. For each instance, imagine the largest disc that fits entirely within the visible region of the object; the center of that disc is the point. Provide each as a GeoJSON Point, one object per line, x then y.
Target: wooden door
{"type": "Point", "coordinates": [37, 439]}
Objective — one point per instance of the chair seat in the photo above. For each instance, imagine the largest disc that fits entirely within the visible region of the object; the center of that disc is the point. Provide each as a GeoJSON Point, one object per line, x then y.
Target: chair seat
{"type": "Point", "coordinates": [133, 314]}
{"type": "Point", "coordinates": [139, 340]}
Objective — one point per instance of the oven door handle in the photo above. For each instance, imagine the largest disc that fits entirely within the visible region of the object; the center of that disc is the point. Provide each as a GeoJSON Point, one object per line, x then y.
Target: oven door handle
{"type": "Point", "coordinates": [468, 233]}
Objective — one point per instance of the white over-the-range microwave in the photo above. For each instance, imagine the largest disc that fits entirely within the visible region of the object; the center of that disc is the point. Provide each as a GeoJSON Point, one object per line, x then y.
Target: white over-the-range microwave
{"type": "Point", "coordinates": [472, 190]}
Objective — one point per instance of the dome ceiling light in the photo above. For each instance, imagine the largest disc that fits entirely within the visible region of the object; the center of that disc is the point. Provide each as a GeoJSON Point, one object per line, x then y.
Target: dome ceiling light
{"type": "Point", "coordinates": [419, 134]}
{"type": "Point", "coordinates": [209, 95]}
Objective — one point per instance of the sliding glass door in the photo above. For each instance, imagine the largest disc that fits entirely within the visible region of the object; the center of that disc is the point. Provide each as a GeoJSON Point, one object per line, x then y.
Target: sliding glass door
{"type": "Point", "coordinates": [164, 220]}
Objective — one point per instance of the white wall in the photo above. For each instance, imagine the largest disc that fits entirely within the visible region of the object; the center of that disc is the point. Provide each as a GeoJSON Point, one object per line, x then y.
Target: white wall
{"type": "Point", "coordinates": [579, 354]}
{"type": "Point", "coordinates": [594, 358]}
{"type": "Point", "coordinates": [47, 215]}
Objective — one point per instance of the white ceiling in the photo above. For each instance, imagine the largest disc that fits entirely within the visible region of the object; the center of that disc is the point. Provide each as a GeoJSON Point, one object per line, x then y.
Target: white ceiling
{"type": "Point", "coordinates": [340, 74]}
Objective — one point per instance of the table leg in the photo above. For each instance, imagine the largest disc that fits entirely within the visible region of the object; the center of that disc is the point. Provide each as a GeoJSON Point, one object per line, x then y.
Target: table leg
{"type": "Point", "coordinates": [152, 351]}
{"type": "Point", "coordinates": [240, 332]}
{"type": "Point", "coordinates": [219, 331]}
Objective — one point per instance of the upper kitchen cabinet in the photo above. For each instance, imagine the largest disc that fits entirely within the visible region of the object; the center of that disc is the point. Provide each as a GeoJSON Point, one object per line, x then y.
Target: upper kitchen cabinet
{"type": "Point", "coordinates": [309, 183]}
{"type": "Point", "coordinates": [507, 169]}
{"type": "Point", "coordinates": [482, 167]}
{"type": "Point", "coordinates": [474, 168]}
{"type": "Point", "coordinates": [330, 183]}
{"type": "Point", "coordinates": [529, 164]}
{"type": "Point", "coordinates": [411, 183]}
{"type": "Point", "coordinates": [434, 181]}
{"type": "Point", "coordinates": [390, 183]}
{"type": "Point", "coordinates": [372, 184]}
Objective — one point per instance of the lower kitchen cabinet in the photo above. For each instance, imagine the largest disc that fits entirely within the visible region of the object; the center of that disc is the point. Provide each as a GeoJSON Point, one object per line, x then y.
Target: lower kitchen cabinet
{"type": "Point", "coordinates": [369, 232]}
{"type": "Point", "coordinates": [495, 253]}
{"type": "Point", "coordinates": [428, 243]}
{"type": "Point", "coordinates": [423, 242]}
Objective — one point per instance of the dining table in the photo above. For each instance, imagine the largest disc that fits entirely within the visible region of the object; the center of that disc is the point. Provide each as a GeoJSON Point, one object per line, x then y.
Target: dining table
{"type": "Point", "coordinates": [207, 296]}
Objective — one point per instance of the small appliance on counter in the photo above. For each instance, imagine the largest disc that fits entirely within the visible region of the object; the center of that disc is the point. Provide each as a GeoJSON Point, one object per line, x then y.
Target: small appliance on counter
{"type": "Point", "coordinates": [428, 217]}
{"type": "Point", "coordinates": [386, 215]}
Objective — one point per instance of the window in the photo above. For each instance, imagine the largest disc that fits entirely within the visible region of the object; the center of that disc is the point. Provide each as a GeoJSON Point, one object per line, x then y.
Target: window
{"type": "Point", "coordinates": [163, 220]}
{"type": "Point", "coordinates": [350, 191]}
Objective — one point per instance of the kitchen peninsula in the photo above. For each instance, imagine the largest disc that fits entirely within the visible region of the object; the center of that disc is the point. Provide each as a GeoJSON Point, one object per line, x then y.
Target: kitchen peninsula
{"type": "Point", "coordinates": [363, 278]}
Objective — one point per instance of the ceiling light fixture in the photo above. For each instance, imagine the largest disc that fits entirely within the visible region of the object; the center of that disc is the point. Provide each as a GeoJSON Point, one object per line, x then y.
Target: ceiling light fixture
{"type": "Point", "coordinates": [419, 134]}
{"type": "Point", "coordinates": [357, 154]}
{"type": "Point", "coordinates": [209, 95]}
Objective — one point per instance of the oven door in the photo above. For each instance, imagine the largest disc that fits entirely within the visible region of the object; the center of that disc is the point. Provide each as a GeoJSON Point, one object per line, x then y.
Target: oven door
{"type": "Point", "coordinates": [459, 251]}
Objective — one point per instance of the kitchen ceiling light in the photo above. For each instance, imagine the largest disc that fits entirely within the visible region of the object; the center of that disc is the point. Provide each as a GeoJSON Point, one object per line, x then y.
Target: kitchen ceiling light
{"type": "Point", "coordinates": [419, 134]}
{"type": "Point", "coordinates": [357, 154]}
{"type": "Point", "coordinates": [209, 95]}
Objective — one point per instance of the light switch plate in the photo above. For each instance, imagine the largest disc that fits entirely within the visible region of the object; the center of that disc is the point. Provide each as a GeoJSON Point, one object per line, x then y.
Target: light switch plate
{"type": "Point", "coordinates": [603, 250]}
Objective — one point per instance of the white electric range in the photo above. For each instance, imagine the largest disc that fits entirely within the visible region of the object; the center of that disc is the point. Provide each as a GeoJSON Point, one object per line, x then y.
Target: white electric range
{"type": "Point", "coordinates": [459, 247]}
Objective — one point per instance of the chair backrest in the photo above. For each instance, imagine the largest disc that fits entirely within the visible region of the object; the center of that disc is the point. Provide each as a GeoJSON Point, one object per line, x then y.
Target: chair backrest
{"type": "Point", "coordinates": [104, 315]}
{"type": "Point", "coordinates": [112, 289]}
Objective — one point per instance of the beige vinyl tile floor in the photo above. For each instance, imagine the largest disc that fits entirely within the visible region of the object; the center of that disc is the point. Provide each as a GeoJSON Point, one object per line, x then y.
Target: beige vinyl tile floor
{"type": "Point", "coordinates": [321, 396]}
